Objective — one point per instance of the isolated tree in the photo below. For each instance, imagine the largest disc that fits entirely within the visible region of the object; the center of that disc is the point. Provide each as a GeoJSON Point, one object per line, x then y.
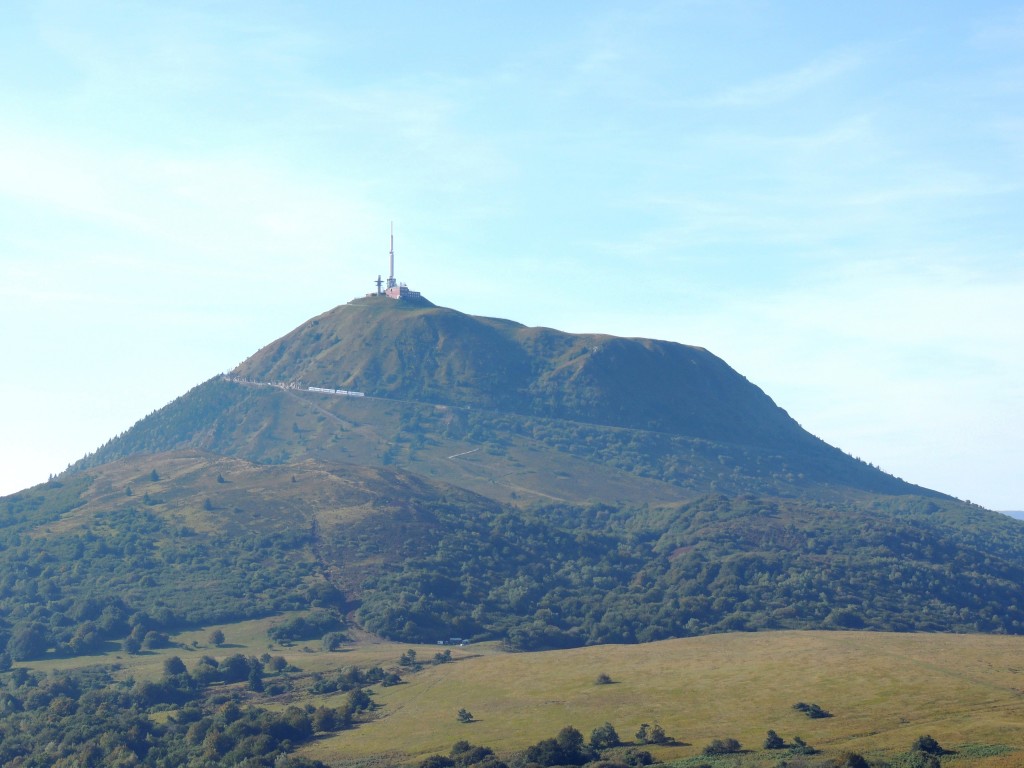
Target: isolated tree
{"type": "Point", "coordinates": [465, 716]}
{"type": "Point", "coordinates": [603, 679]}
{"type": "Point", "coordinates": [154, 476]}
{"type": "Point", "coordinates": [216, 637]}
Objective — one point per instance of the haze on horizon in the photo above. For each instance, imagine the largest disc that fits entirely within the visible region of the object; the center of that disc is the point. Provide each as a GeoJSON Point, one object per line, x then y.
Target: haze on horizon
{"type": "Point", "coordinates": [826, 198]}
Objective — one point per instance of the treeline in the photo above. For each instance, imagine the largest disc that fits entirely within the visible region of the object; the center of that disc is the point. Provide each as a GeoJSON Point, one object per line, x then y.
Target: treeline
{"type": "Point", "coordinates": [606, 750]}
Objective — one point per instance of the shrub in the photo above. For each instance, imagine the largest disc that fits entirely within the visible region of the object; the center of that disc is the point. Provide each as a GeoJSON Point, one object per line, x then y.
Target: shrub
{"type": "Point", "coordinates": [928, 745]}
{"type": "Point", "coordinates": [565, 749]}
{"type": "Point", "coordinates": [310, 627]}
{"type": "Point", "coordinates": [332, 640]}
{"type": "Point", "coordinates": [801, 747]}
{"type": "Point", "coordinates": [723, 747]}
{"type": "Point", "coordinates": [849, 760]}
{"type": "Point", "coordinates": [915, 759]}
{"type": "Point", "coordinates": [604, 737]}
{"type": "Point", "coordinates": [638, 757]}
{"type": "Point", "coordinates": [773, 741]}
{"type": "Point", "coordinates": [813, 711]}
{"type": "Point", "coordinates": [173, 665]}
{"type": "Point", "coordinates": [651, 734]}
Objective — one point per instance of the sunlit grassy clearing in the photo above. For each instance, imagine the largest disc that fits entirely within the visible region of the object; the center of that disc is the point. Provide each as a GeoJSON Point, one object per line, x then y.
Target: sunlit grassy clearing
{"type": "Point", "coordinates": [884, 690]}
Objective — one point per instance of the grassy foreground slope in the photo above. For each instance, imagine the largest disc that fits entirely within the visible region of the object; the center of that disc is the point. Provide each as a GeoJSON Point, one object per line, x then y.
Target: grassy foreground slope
{"type": "Point", "coordinates": [884, 690]}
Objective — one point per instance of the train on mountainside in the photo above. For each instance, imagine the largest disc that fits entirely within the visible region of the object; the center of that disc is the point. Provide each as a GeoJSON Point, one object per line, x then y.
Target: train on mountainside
{"type": "Point", "coordinates": [329, 391]}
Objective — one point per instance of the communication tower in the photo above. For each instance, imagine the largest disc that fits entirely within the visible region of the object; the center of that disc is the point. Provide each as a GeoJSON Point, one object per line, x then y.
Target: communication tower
{"type": "Point", "coordinates": [391, 278]}
{"type": "Point", "coordinates": [391, 287]}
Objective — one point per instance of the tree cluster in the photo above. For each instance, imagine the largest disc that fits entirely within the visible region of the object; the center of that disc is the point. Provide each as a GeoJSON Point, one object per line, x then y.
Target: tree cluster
{"type": "Point", "coordinates": [86, 718]}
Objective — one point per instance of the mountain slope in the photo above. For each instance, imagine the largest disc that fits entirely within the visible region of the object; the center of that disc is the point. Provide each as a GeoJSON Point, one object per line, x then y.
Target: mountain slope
{"type": "Point", "coordinates": [172, 540]}
{"type": "Point", "coordinates": [641, 419]}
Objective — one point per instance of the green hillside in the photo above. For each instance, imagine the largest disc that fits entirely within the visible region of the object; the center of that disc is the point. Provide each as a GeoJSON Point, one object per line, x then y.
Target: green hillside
{"type": "Point", "coordinates": [166, 541]}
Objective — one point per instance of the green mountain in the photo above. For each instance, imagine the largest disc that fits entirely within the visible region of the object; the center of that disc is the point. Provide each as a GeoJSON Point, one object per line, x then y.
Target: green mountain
{"type": "Point", "coordinates": [637, 419]}
{"type": "Point", "coordinates": [489, 481]}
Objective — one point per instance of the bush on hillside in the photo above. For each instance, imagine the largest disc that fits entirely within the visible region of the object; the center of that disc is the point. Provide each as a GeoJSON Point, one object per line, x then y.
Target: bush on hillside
{"type": "Point", "coordinates": [723, 747]}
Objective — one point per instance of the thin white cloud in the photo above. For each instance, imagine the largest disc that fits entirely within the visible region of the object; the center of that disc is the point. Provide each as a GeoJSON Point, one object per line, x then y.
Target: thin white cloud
{"type": "Point", "coordinates": [788, 85]}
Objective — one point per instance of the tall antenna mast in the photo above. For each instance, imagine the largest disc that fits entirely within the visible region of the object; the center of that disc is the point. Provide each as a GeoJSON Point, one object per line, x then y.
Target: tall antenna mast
{"type": "Point", "coordinates": [391, 278]}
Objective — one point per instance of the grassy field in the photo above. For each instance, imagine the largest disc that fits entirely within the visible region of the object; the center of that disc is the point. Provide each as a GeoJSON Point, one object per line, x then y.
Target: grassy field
{"type": "Point", "coordinates": [884, 690]}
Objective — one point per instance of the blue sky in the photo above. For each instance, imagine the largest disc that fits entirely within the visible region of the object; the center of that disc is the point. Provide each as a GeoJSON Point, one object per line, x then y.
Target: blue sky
{"type": "Point", "coordinates": [828, 198]}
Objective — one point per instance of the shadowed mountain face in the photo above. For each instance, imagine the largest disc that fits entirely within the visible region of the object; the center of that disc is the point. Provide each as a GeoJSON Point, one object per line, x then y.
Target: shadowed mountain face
{"type": "Point", "coordinates": [491, 481]}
